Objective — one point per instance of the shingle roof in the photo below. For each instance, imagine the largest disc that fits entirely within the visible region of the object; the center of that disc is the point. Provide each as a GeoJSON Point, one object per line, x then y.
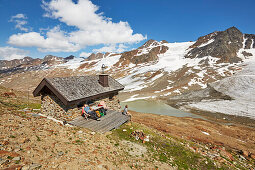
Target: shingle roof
{"type": "Point", "coordinates": [77, 87]}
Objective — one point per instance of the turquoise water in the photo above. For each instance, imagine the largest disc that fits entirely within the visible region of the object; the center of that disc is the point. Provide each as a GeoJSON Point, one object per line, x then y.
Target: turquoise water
{"type": "Point", "coordinates": [156, 107]}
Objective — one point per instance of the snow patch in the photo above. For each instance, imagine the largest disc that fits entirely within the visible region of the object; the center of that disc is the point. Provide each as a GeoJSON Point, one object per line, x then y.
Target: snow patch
{"type": "Point", "coordinates": [205, 44]}
{"type": "Point", "coordinates": [205, 133]}
{"type": "Point", "coordinates": [133, 98]}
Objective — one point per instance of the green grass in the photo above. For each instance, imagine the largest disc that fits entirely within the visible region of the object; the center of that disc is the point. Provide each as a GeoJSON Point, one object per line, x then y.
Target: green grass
{"type": "Point", "coordinates": [30, 105]}
{"type": "Point", "coordinates": [8, 104]}
{"type": "Point", "coordinates": [78, 142]}
{"type": "Point", "coordinates": [15, 104]}
{"type": "Point", "coordinates": [169, 151]}
{"type": "Point", "coordinates": [17, 162]}
{"type": "Point", "coordinates": [38, 138]}
{"type": "Point", "coordinates": [9, 157]}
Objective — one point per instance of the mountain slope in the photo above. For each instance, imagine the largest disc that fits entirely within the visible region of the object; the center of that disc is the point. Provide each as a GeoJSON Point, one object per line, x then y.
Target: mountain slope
{"type": "Point", "coordinates": [156, 69]}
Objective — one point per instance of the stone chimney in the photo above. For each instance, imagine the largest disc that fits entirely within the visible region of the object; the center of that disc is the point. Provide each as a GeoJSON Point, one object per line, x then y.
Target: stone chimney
{"type": "Point", "coordinates": [103, 80]}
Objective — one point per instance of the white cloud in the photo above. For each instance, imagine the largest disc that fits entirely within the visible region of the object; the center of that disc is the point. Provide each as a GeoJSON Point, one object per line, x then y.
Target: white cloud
{"type": "Point", "coordinates": [18, 16]}
{"type": "Point", "coordinates": [55, 42]}
{"type": "Point", "coordinates": [20, 20]}
{"type": "Point", "coordinates": [92, 28]}
{"type": "Point", "coordinates": [84, 54]}
{"type": "Point", "coordinates": [20, 25]}
{"type": "Point", "coordinates": [10, 53]}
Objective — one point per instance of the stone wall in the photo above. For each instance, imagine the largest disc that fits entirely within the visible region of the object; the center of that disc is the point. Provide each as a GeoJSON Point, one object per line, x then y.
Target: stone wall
{"type": "Point", "coordinates": [52, 106]}
{"type": "Point", "coordinates": [112, 104]}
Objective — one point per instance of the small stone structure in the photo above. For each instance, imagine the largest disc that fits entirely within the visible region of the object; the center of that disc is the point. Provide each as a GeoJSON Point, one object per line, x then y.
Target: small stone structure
{"type": "Point", "coordinates": [53, 107]}
{"type": "Point", "coordinates": [62, 98]}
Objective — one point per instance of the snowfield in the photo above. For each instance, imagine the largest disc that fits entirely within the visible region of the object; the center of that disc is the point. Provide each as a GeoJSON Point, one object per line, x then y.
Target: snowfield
{"type": "Point", "coordinates": [240, 87]}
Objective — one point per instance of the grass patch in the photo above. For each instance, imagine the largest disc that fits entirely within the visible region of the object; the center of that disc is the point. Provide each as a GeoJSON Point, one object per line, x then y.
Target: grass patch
{"type": "Point", "coordinates": [38, 138]}
{"type": "Point", "coordinates": [9, 157]}
{"type": "Point", "coordinates": [170, 151]}
{"type": "Point", "coordinates": [18, 104]}
{"type": "Point", "coordinates": [30, 105]}
{"type": "Point", "coordinates": [79, 142]}
{"type": "Point", "coordinates": [8, 104]}
{"type": "Point", "coordinates": [17, 162]}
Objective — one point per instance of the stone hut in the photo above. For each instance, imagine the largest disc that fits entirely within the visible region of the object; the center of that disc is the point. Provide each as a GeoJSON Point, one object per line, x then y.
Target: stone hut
{"type": "Point", "coordinates": [63, 97]}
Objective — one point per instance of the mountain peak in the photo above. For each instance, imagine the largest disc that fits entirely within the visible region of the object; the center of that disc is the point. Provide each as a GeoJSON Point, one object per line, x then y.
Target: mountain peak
{"type": "Point", "coordinates": [232, 29]}
{"type": "Point", "coordinates": [225, 45]}
{"type": "Point", "coordinates": [149, 43]}
{"type": "Point", "coordinates": [152, 42]}
{"type": "Point", "coordinates": [95, 56]}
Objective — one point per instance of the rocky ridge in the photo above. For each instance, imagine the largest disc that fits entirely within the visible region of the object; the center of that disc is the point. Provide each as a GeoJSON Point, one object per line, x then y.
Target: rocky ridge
{"type": "Point", "coordinates": [30, 62]}
{"type": "Point", "coordinates": [29, 140]}
{"type": "Point", "coordinates": [223, 45]}
{"type": "Point", "coordinates": [96, 56]}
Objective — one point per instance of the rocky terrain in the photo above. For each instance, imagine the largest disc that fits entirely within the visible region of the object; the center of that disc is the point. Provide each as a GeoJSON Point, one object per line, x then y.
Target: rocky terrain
{"type": "Point", "coordinates": [31, 141]}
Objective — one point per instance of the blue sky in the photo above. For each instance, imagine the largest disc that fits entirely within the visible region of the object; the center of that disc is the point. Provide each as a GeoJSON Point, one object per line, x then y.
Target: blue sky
{"type": "Point", "coordinates": [64, 27]}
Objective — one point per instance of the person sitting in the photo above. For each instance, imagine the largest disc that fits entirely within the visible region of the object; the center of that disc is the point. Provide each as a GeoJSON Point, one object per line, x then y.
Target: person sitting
{"type": "Point", "coordinates": [104, 109]}
{"type": "Point", "coordinates": [125, 112]}
{"type": "Point", "coordinates": [102, 103]}
{"type": "Point", "coordinates": [85, 112]}
{"type": "Point", "coordinates": [90, 112]}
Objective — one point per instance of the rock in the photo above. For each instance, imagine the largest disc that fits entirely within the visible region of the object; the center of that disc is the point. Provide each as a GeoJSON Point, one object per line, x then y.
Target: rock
{"type": "Point", "coordinates": [246, 153]}
{"type": "Point", "coordinates": [35, 166]}
{"type": "Point", "coordinates": [5, 142]}
{"type": "Point", "coordinates": [106, 167]}
{"type": "Point", "coordinates": [224, 153]}
{"type": "Point", "coordinates": [4, 161]}
{"type": "Point", "coordinates": [99, 166]}
{"type": "Point", "coordinates": [242, 158]}
{"type": "Point", "coordinates": [246, 54]}
{"type": "Point", "coordinates": [24, 140]}
{"type": "Point", "coordinates": [55, 166]}
{"type": "Point", "coordinates": [147, 138]}
{"type": "Point", "coordinates": [26, 167]}
{"type": "Point", "coordinates": [16, 149]}
{"type": "Point", "coordinates": [93, 133]}
{"type": "Point", "coordinates": [108, 133]}
{"type": "Point", "coordinates": [80, 132]}
{"type": "Point", "coordinates": [14, 167]}
{"type": "Point", "coordinates": [60, 153]}
{"type": "Point", "coordinates": [16, 159]}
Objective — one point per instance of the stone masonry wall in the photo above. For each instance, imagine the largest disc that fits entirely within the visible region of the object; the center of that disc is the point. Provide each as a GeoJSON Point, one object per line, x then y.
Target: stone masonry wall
{"type": "Point", "coordinates": [52, 106]}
